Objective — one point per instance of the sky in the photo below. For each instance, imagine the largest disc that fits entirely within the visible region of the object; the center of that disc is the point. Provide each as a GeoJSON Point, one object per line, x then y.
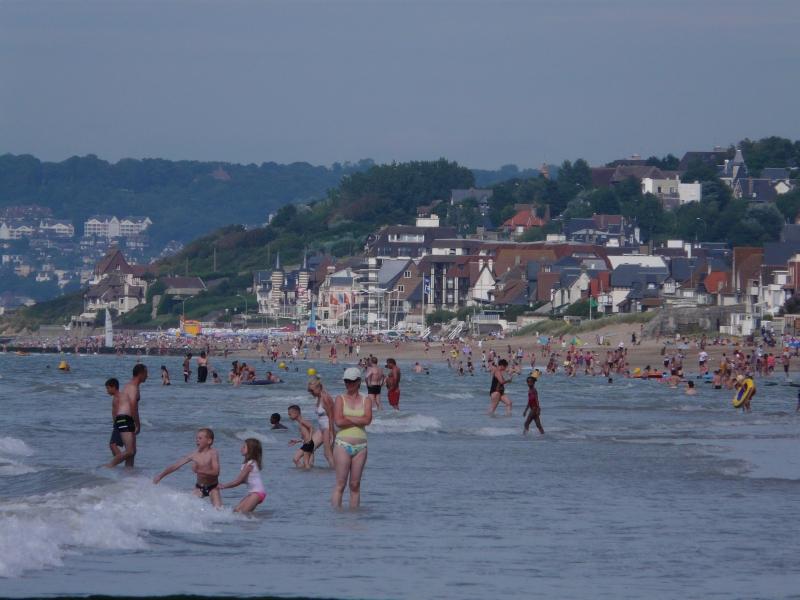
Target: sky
{"type": "Point", "coordinates": [483, 83]}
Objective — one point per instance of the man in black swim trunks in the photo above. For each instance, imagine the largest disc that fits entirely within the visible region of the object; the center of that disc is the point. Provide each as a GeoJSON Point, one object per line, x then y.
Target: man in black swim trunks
{"type": "Point", "coordinates": [374, 378]}
{"type": "Point", "coordinates": [125, 413]}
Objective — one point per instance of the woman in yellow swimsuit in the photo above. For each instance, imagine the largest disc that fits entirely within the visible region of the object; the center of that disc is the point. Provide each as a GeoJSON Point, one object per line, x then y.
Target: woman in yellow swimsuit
{"type": "Point", "coordinates": [351, 414]}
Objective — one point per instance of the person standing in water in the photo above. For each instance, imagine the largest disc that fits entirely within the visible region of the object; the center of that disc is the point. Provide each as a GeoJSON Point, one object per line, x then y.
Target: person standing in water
{"type": "Point", "coordinates": [323, 435]}
{"type": "Point", "coordinates": [393, 383]}
{"type": "Point", "coordinates": [187, 367]}
{"type": "Point", "coordinates": [125, 411]}
{"type": "Point", "coordinates": [351, 414]}
{"type": "Point", "coordinates": [497, 391]}
{"type": "Point", "coordinates": [202, 367]}
{"type": "Point", "coordinates": [375, 380]}
{"type": "Point", "coordinates": [533, 409]}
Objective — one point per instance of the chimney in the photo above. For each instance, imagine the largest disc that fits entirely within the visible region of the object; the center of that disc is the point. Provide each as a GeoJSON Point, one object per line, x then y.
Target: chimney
{"type": "Point", "coordinates": [547, 213]}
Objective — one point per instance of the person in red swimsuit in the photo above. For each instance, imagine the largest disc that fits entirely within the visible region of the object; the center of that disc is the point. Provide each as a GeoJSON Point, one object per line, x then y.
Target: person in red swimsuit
{"type": "Point", "coordinates": [393, 383]}
{"type": "Point", "coordinates": [533, 407]}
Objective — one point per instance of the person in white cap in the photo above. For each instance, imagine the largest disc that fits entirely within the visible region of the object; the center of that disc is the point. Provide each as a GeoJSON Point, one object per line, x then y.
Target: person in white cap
{"type": "Point", "coordinates": [351, 414]}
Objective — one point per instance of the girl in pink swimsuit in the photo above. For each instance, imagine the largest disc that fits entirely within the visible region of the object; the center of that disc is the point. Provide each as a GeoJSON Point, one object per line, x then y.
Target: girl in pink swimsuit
{"type": "Point", "coordinates": [250, 473]}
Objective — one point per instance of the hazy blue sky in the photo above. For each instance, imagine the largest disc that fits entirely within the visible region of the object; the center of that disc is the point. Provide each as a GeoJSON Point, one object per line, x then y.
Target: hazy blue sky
{"type": "Point", "coordinates": [484, 83]}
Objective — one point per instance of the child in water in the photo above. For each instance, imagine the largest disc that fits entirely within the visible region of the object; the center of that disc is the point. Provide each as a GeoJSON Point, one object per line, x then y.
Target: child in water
{"type": "Point", "coordinates": [533, 407]}
{"type": "Point", "coordinates": [206, 466]}
{"type": "Point", "coordinates": [304, 457]}
{"type": "Point", "coordinates": [250, 473]}
{"type": "Point", "coordinates": [164, 375]}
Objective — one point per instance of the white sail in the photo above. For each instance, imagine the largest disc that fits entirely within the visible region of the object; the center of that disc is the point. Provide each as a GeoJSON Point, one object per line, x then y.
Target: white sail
{"type": "Point", "coordinates": [109, 331]}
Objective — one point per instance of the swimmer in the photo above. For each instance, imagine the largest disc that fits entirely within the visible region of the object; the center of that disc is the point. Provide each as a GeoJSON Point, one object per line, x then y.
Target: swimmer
{"type": "Point", "coordinates": [375, 380]}
{"type": "Point", "coordinates": [690, 389]}
{"type": "Point", "coordinates": [275, 422]}
{"type": "Point", "coordinates": [187, 371]}
{"type": "Point", "coordinates": [393, 383]}
{"type": "Point", "coordinates": [250, 473]}
{"type": "Point", "coordinates": [112, 389]}
{"type": "Point", "coordinates": [497, 391]}
{"type": "Point", "coordinates": [324, 409]}
{"type": "Point", "coordinates": [206, 466]}
{"type": "Point", "coordinates": [533, 407]}
{"type": "Point", "coordinates": [352, 413]}
{"type": "Point", "coordinates": [304, 457]}
{"type": "Point", "coordinates": [125, 412]}
{"type": "Point", "coordinates": [164, 375]}
{"type": "Point", "coordinates": [215, 377]}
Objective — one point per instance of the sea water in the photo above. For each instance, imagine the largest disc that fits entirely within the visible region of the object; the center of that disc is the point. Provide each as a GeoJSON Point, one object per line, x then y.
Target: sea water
{"type": "Point", "coordinates": [636, 490]}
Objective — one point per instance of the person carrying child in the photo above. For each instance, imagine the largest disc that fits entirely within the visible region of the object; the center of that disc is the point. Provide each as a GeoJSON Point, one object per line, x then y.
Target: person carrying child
{"type": "Point", "coordinates": [250, 473]}
{"type": "Point", "coordinates": [206, 466]}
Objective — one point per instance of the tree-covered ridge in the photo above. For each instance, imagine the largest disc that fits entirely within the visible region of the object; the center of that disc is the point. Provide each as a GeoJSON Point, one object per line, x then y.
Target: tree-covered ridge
{"type": "Point", "coordinates": [338, 225]}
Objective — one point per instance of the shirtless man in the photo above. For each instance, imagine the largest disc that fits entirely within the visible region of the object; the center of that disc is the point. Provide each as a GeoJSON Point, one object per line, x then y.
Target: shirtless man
{"type": "Point", "coordinates": [206, 466]}
{"type": "Point", "coordinates": [125, 412]}
{"type": "Point", "coordinates": [375, 379]}
{"type": "Point", "coordinates": [393, 383]}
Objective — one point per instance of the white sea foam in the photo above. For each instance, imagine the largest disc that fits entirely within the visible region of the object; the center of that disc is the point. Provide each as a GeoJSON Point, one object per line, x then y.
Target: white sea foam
{"type": "Point", "coordinates": [10, 446]}
{"type": "Point", "coordinates": [404, 423]}
{"type": "Point", "coordinates": [497, 431]}
{"type": "Point", "coordinates": [36, 533]}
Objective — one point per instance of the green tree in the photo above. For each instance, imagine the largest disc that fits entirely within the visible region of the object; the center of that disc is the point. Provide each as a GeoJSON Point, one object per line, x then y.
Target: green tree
{"type": "Point", "coordinates": [789, 204]}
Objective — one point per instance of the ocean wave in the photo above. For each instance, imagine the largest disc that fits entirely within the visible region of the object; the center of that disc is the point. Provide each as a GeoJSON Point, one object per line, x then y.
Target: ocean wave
{"type": "Point", "coordinates": [404, 423]}
{"type": "Point", "coordinates": [10, 468]}
{"type": "Point", "coordinates": [37, 533]}
{"type": "Point", "coordinates": [14, 447]}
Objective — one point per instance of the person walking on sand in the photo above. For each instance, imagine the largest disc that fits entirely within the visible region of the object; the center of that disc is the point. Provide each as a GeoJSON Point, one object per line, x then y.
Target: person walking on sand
{"type": "Point", "coordinates": [393, 383]}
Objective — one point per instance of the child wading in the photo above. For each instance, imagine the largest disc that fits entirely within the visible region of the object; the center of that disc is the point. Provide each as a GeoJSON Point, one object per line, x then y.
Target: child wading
{"type": "Point", "coordinates": [533, 407]}
{"type": "Point", "coordinates": [206, 465]}
{"type": "Point", "coordinates": [250, 473]}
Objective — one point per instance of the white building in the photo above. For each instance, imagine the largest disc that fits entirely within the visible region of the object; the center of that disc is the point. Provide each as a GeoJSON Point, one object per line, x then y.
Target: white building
{"type": "Point", "coordinates": [673, 191]}
{"type": "Point", "coordinates": [109, 226]}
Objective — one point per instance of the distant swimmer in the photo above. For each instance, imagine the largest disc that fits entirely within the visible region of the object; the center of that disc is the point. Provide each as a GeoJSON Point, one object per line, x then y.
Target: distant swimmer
{"type": "Point", "coordinates": [202, 367]}
{"type": "Point", "coordinates": [206, 466]}
{"type": "Point", "coordinates": [533, 407]}
{"type": "Point", "coordinates": [275, 422]}
{"type": "Point", "coordinates": [164, 375]}
{"type": "Point", "coordinates": [690, 389]}
{"type": "Point", "coordinates": [250, 474]}
{"type": "Point", "coordinates": [393, 383]}
{"type": "Point", "coordinates": [187, 367]}
{"type": "Point", "coordinates": [125, 412]}
{"type": "Point", "coordinates": [497, 391]}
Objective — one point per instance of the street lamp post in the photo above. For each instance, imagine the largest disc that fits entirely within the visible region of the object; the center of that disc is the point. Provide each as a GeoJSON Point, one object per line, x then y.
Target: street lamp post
{"type": "Point", "coordinates": [245, 307]}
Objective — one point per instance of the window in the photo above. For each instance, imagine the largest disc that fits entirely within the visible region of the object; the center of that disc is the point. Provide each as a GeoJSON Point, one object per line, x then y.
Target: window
{"type": "Point", "coordinates": [401, 288]}
{"type": "Point", "coordinates": [406, 274]}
